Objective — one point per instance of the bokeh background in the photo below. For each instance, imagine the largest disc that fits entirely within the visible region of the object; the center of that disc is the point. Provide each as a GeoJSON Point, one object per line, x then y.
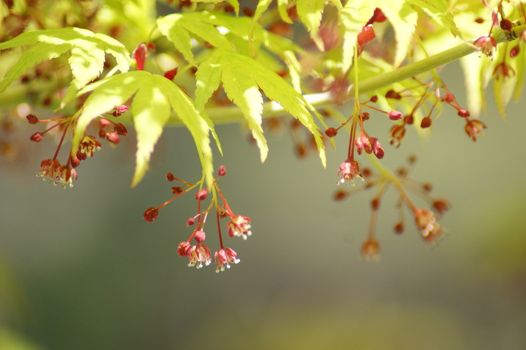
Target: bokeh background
{"type": "Point", "coordinates": [80, 269]}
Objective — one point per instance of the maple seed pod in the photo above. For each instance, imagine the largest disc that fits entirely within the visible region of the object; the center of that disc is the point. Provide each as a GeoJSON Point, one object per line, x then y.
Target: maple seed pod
{"type": "Point", "coordinates": [221, 171]}
{"type": "Point", "coordinates": [426, 122]}
{"type": "Point", "coordinates": [151, 214]}
{"type": "Point", "coordinates": [170, 74]}
{"type": "Point", "coordinates": [394, 115]}
{"type": "Point", "coordinates": [37, 137]}
{"type": "Point", "coordinates": [464, 113]}
{"type": "Point", "coordinates": [32, 119]}
{"type": "Point", "coordinates": [506, 24]}
{"type": "Point", "coordinates": [331, 132]}
{"type": "Point", "coordinates": [201, 195]}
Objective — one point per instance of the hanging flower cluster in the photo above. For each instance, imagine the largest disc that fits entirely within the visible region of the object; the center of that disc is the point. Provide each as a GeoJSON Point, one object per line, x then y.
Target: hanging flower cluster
{"type": "Point", "coordinates": [195, 247]}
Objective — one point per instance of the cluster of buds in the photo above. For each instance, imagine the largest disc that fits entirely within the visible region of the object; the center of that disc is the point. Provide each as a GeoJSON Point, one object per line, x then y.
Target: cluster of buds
{"type": "Point", "coordinates": [425, 218]}
{"type": "Point", "coordinates": [65, 174]}
{"type": "Point", "coordinates": [195, 248]}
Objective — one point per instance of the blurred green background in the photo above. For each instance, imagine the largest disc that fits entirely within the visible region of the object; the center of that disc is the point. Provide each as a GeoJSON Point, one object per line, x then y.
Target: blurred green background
{"type": "Point", "coordinates": [80, 269]}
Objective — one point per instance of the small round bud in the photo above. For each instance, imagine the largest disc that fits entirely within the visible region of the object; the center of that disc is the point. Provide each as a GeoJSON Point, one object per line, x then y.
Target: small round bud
{"type": "Point", "coordinates": [399, 228]}
{"type": "Point", "coordinates": [391, 94]}
{"type": "Point", "coordinates": [221, 171]}
{"type": "Point", "coordinates": [375, 203]}
{"type": "Point", "coordinates": [426, 122]}
{"type": "Point", "coordinates": [200, 236]}
{"type": "Point", "coordinates": [151, 214]}
{"type": "Point", "coordinates": [201, 195]}
{"type": "Point", "coordinates": [394, 115]}
{"type": "Point", "coordinates": [409, 119]}
{"type": "Point", "coordinates": [374, 99]}
{"type": "Point", "coordinates": [464, 113]}
{"type": "Point", "coordinates": [427, 187]}
{"type": "Point", "coordinates": [32, 119]}
{"type": "Point", "coordinates": [177, 190]}
{"type": "Point", "coordinates": [449, 97]}
{"type": "Point", "coordinates": [340, 195]}
{"type": "Point", "coordinates": [190, 221]}
{"type": "Point", "coordinates": [170, 176]}
{"type": "Point", "coordinates": [505, 24]}
{"type": "Point", "coordinates": [36, 137]}
{"type": "Point", "coordinates": [113, 137]}
{"type": "Point", "coordinates": [74, 161]}
{"type": "Point", "coordinates": [441, 205]}
{"type": "Point", "coordinates": [119, 110]}
{"type": "Point", "coordinates": [331, 132]}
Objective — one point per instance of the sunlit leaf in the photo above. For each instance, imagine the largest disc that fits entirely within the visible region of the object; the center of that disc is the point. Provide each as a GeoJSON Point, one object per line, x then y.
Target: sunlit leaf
{"type": "Point", "coordinates": [87, 53]}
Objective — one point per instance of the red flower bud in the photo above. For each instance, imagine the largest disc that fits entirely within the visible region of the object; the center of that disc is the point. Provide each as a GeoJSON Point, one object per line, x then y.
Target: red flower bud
{"type": "Point", "coordinates": [113, 137]}
{"type": "Point", "coordinates": [200, 236]}
{"type": "Point", "coordinates": [177, 190]}
{"type": "Point", "coordinates": [151, 214]}
{"type": "Point", "coordinates": [201, 194]}
{"type": "Point", "coordinates": [394, 115]}
{"type": "Point", "coordinates": [117, 111]}
{"type": "Point", "coordinates": [426, 122]}
{"type": "Point", "coordinates": [506, 24]}
{"type": "Point", "coordinates": [221, 171]}
{"type": "Point", "coordinates": [32, 119]}
{"type": "Point", "coordinates": [464, 113]}
{"type": "Point", "coordinates": [331, 132]}
{"type": "Point", "coordinates": [37, 137]}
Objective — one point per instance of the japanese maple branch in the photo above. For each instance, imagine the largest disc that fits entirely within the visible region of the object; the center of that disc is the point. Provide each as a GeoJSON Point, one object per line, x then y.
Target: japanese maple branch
{"type": "Point", "coordinates": [222, 115]}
